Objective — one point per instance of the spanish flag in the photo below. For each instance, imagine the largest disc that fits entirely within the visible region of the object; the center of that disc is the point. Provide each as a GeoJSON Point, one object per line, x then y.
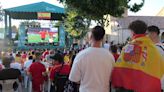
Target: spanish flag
{"type": "Point", "coordinates": [44, 15]}
{"type": "Point", "coordinates": [140, 67]}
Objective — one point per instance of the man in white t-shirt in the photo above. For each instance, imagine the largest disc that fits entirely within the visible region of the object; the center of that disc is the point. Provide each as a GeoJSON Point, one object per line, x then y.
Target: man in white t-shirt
{"type": "Point", "coordinates": [28, 63]}
{"type": "Point", "coordinates": [92, 67]}
{"type": "Point", "coordinates": [106, 45]}
{"type": "Point", "coordinates": [153, 33]}
{"type": "Point", "coordinates": [15, 65]}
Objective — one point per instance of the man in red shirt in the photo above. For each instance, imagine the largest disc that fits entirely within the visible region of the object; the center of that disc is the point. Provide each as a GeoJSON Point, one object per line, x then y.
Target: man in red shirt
{"type": "Point", "coordinates": [38, 72]}
{"type": "Point", "coordinates": [43, 34]}
{"type": "Point", "coordinates": [113, 49]}
{"type": "Point", "coordinates": [45, 53]}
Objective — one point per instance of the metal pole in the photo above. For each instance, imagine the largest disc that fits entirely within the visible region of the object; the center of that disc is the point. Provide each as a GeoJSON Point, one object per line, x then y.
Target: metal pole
{"type": "Point", "coordinates": [10, 30]}
{"type": "Point", "coordinates": [122, 36]}
{"type": "Point", "coordinates": [5, 33]}
{"type": "Point", "coordinates": [118, 35]}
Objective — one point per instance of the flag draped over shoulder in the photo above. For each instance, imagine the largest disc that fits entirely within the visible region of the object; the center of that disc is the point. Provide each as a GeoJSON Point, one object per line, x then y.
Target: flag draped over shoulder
{"type": "Point", "coordinates": [139, 67]}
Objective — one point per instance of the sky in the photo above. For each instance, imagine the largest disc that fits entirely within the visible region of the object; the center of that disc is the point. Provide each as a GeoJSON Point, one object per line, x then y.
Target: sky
{"type": "Point", "coordinates": [14, 3]}
{"type": "Point", "coordinates": [150, 8]}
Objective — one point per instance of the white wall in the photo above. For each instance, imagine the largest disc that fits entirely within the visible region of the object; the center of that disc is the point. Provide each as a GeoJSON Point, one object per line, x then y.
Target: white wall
{"type": "Point", "coordinates": [119, 36]}
{"type": "Point", "coordinates": [1, 35]}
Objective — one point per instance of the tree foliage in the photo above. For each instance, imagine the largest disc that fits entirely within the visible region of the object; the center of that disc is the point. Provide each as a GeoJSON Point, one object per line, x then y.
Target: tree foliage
{"type": "Point", "coordinates": [76, 26]}
{"type": "Point", "coordinates": [96, 9]}
{"type": "Point", "coordinates": [1, 13]}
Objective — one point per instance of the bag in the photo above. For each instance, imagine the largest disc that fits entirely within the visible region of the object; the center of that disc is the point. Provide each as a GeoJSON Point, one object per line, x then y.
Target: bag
{"type": "Point", "coordinates": [59, 81]}
{"type": "Point", "coordinates": [70, 87]}
{"type": "Point", "coordinates": [62, 83]}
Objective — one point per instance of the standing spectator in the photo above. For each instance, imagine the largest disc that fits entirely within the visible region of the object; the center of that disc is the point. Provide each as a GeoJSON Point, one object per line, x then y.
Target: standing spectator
{"type": "Point", "coordinates": [1, 65]}
{"type": "Point", "coordinates": [28, 63]}
{"type": "Point", "coordinates": [140, 66]}
{"type": "Point", "coordinates": [113, 49]}
{"type": "Point", "coordinates": [106, 45]}
{"type": "Point", "coordinates": [18, 58]}
{"type": "Point", "coordinates": [153, 33]}
{"type": "Point", "coordinates": [26, 66]}
{"type": "Point", "coordinates": [38, 72]}
{"type": "Point", "coordinates": [92, 67]}
{"type": "Point", "coordinates": [67, 57]}
{"type": "Point", "coordinates": [12, 58]}
{"type": "Point", "coordinates": [45, 53]}
{"type": "Point", "coordinates": [24, 57]}
{"type": "Point", "coordinates": [16, 65]}
{"type": "Point", "coordinates": [33, 54]}
{"type": "Point", "coordinates": [61, 68]}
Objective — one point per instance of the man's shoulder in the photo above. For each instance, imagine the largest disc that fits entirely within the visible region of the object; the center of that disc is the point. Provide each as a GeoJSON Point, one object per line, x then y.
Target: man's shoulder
{"type": "Point", "coordinates": [36, 66]}
{"type": "Point", "coordinates": [160, 45]}
{"type": "Point", "coordinates": [38, 63]}
{"type": "Point", "coordinates": [26, 62]}
{"type": "Point", "coordinates": [83, 52]}
{"type": "Point", "coordinates": [160, 48]}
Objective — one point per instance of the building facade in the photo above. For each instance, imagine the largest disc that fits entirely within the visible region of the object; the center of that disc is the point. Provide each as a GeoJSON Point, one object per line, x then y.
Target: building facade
{"type": "Point", "coordinates": [119, 27]}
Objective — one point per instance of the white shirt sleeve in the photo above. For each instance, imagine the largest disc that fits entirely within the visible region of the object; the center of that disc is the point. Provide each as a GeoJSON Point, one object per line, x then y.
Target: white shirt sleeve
{"type": "Point", "coordinates": [75, 74]}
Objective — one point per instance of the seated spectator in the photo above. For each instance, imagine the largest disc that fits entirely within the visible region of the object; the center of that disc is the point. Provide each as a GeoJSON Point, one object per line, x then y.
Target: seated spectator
{"type": "Point", "coordinates": [60, 68]}
{"type": "Point", "coordinates": [9, 73]}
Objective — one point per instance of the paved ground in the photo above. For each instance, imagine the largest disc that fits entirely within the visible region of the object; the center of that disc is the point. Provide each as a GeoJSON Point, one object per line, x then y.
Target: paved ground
{"type": "Point", "coordinates": [26, 90]}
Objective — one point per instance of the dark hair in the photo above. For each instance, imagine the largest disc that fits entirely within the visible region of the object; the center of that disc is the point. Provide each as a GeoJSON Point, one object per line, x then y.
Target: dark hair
{"type": "Point", "coordinates": [114, 48]}
{"type": "Point", "coordinates": [153, 29]}
{"type": "Point", "coordinates": [33, 52]}
{"type": "Point", "coordinates": [38, 56]}
{"type": "Point", "coordinates": [138, 27]}
{"type": "Point", "coordinates": [11, 54]}
{"type": "Point", "coordinates": [98, 33]}
{"type": "Point", "coordinates": [30, 57]}
{"type": "Point", "coordinates": [6, 62]}
{"type": "Point", "coordinates": [58, 57]}
{"type": "Point", "coordinates": [18, 53]}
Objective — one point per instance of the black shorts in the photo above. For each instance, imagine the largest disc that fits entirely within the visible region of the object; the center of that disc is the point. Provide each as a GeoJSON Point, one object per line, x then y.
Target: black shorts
{"type": "Point", "coordinates": [43, 38]}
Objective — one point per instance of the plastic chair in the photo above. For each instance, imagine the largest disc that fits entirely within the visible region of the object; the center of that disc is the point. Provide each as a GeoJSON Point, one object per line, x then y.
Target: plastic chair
{"type": "Point", "coordinates": [7, 85]}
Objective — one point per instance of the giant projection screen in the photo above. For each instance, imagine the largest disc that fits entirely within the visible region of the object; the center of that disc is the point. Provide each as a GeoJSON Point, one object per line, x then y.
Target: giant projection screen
{"type": "Point", "coordinates": [43, 35]}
